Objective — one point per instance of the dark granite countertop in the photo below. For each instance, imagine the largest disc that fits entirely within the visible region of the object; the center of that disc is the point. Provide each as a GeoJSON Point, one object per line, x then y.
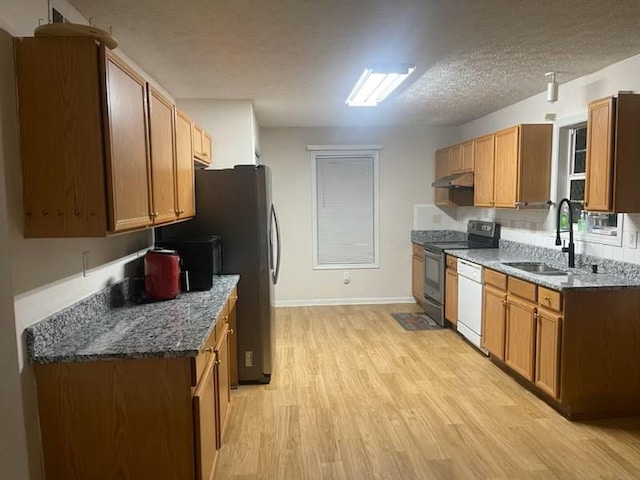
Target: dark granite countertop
{"type": "Point", "coordinates": [493, 258]}
{"type": "Point", "coordinates": [172, 328]}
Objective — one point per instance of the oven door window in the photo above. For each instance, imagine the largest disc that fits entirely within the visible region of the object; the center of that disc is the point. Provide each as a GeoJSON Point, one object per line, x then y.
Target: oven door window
{"type": "Point", "coordinates": [432, 280]}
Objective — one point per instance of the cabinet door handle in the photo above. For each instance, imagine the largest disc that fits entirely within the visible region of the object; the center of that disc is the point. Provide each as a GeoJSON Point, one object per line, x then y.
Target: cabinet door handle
{"type": "Point", "coordinates": [547, 298]}
{"type": "Point", "coordinates": [536, 316]}
{"type": "Point", "coordinates": [231, 331]}
{"type": "Point", "coordinates": [209, 350]}
{"type": "Point", "coordinates": [504, 302]}
{"type": "Point", "coordinates": [181, 211]}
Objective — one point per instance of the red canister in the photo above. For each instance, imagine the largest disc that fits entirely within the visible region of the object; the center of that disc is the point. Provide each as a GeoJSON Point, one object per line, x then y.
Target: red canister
{"type": "Point", "coordinates": [162, 274]}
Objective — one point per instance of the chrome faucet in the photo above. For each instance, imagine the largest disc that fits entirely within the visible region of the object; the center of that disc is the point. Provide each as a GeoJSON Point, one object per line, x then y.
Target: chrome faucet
{"type": "Point", "coordinates": [571, 249]}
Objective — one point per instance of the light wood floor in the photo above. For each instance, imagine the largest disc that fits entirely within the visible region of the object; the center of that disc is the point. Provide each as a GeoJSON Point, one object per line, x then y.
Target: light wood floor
{"type": "Point", "coordinates": [354, 396]}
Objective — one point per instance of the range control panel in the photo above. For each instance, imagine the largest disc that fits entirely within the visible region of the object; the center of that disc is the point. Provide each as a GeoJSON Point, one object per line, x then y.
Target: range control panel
{"type": "Point", "coordinates": [484, 229]}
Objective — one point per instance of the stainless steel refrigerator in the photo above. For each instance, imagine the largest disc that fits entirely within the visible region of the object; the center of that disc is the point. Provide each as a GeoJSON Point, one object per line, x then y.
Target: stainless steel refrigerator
{"type": "Point", "coordinates": [236, 205]}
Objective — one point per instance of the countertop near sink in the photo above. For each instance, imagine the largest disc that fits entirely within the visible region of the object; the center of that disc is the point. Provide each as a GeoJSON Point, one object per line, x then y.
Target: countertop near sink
{"type": "Point", "coordinates": [493, 258]}
{"type": "Point", "coordinates": [172, 328]}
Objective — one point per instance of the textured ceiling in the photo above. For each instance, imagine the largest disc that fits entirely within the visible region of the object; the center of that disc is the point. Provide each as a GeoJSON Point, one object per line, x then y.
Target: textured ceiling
{"type": "Point", "coordinates": [298, 59]}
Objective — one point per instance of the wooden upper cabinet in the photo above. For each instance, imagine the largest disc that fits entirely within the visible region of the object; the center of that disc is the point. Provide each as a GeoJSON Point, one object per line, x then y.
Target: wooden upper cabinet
{"type": "Point", "coordinates": [64, 182]}
{"type": "Point", "coordinates": [127, 147]}
{"type": "Point", "coordinates": [484, 171]}
{"type": "Point", "coordinates": [455, 159]}
{"type": "Point", "coordinates": [185, 200]}
{"type": "Point", "coordinates": [206, 147]}
{"type": "Point", "coordinates": [163, 174]}
{"type": "Point", "coordinates": [522, 172]}
{"type": "Point", "coordinates": [201, 143]}
{"type": "Point", "coordinates": [198, 133]}
{"type": "Point", "coordinates": [441, 195]}
{"type": "Point", "coordinates": [599, 168]}
{"type": "Point", "coordinates": [506, 167]}
{"type": "Point", "coordinates": [468, 156]}
{"type": "Point", "coordinates": [613, 147]}
{"type": "Point", "coordinates": [97, 148]}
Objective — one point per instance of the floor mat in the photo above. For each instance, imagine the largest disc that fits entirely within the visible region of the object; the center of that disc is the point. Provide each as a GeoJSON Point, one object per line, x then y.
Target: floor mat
{"type": "Point", "coordinates": [415, 321]}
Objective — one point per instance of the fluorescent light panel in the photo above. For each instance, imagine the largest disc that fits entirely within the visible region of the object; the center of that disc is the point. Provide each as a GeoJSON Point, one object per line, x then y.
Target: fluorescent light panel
{"type": "Point", "coordinates": [376, 83]}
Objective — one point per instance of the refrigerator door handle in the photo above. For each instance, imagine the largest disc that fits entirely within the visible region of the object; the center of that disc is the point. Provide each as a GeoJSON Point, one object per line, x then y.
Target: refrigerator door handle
{"type": "Point", "coordinates": [274, 223]}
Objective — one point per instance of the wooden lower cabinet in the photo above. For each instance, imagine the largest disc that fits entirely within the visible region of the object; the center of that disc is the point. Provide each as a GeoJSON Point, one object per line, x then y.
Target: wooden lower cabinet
{"type": "Point", "coordinates": [579, 349]}
{"type": "Point", "coordinates": [494, 308]}
{"type": "Point", "coordinates": [158, 418]}
{"type": "Point", "coordinates": [205, 413]}
{"type": "Point", "coordinates": [548, 331]}
{"type": "Point", "coordinates": [451, 296]}
{"type": "Point", "coordinates": [222, 376]}
{"type": "Point", "coordinates": [520, 337]}
{"type": "Point", "coordinates": [417, 273]}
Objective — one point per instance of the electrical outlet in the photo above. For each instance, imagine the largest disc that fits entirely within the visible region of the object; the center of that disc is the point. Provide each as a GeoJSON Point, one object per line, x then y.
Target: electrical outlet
{"type": "Point", "coordinates": [248, 358]}
{"type": "Point", "coordinates": [346, 278]}
{"type": "Point", "coordinates": [631, 240]}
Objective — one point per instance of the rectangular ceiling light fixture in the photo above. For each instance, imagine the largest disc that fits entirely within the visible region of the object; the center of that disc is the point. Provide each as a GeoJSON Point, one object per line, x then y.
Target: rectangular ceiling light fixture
{"type": "Point", "coordinates": [376, 83]}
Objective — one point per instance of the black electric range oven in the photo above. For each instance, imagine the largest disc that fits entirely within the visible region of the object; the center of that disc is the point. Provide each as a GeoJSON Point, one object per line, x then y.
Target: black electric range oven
{"type": "Point", "coordinates": [479, 235]}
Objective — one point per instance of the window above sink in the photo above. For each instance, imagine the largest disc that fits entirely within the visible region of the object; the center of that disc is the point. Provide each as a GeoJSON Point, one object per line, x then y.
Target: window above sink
{"type": "Point", "coordinates": [589, 227]}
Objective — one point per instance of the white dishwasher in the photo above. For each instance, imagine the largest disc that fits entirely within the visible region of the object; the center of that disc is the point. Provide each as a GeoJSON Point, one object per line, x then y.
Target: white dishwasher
{"type": "Point", "coordinates": [470, 280]}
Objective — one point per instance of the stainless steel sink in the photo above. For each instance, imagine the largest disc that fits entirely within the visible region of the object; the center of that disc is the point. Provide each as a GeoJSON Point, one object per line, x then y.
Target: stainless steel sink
{"type": "Point", "coordinates": [538, 268]}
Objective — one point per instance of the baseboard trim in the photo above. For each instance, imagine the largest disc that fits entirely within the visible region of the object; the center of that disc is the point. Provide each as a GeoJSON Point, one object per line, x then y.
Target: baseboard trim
{"type": "Point", "coordinates": [319, 302]}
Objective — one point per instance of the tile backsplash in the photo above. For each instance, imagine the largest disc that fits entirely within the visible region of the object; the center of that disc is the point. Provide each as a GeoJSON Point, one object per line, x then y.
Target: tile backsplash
{"type": "Point", "coordinates": [535, 227]}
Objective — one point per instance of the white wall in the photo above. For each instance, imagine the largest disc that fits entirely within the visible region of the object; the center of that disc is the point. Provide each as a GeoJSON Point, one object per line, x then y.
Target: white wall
{"type": "Point", "coordinates": [537, 227]}
{"type": "Point", "coordinates": [37, 276]}
{"type": "Point", "coordinates": [13, 453]}
{"type": "Point", "coordinates": [231, 126]}
{"type": "Point", "coordinates": [406, 172]}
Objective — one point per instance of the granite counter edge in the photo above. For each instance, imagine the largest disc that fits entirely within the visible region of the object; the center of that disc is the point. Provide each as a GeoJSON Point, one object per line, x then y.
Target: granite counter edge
{"type": "Point", "coordinates": [536, 279]}
{"type": "Point", "coordinates": [42, 359]}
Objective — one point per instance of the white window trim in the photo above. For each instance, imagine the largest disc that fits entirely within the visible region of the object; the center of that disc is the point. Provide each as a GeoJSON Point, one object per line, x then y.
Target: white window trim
{"type": "Point", "coordinates": [316, 151]}
{"type": "Point", "coordinates": [562, 184]}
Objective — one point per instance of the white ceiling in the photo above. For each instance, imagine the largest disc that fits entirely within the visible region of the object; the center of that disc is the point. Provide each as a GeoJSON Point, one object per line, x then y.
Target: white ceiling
{"type": "Point", "coordinates": [298, 59]}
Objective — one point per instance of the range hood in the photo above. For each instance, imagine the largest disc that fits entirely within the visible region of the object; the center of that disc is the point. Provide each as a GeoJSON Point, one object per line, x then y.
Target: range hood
{"type": "Point", "coordinates": [457, 180]}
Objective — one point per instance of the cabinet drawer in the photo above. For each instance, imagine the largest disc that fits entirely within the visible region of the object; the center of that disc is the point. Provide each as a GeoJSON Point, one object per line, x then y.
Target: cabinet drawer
{"type": "Point", "coordinates": [452, 262]}
{"type": "Point", "coordinates": [233, 298]}
{"type": "Point", "coordinates": [550, 299]}
{"type": "Point", "coordinates": [417, 249]}
{"type": "Point", "coordinates": [498, 280]}
{"type": "Point", "coordinates": [522, 289]}
{"type": "Point", "coordinates": [199, 363]}
{"type": "Point", "coordinates": [221, 321]}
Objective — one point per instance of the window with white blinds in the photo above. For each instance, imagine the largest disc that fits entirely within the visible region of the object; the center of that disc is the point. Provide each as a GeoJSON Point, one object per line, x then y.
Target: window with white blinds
{"type": "Point", "coordinates": [345, 209]}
